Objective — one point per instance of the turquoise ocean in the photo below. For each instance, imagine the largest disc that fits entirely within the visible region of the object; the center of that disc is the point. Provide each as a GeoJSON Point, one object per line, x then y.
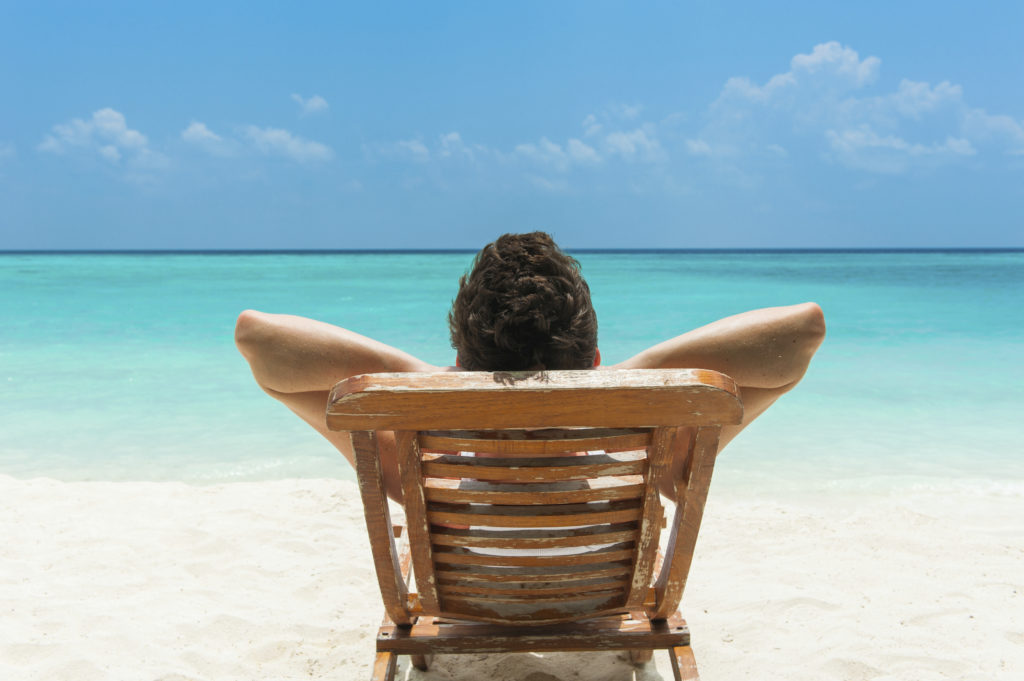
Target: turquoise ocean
{"type": "Point", "coordinates": [123, 366]}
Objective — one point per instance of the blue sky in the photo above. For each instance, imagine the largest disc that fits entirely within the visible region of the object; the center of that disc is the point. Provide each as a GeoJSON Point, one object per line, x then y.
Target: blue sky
{"type": "Point", "coordinates": [419, 125]}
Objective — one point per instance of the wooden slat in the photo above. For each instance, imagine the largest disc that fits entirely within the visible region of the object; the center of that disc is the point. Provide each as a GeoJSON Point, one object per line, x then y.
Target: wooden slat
{"type": "Point", "coordinates": [537, 460]}
{"type": "Point", "coordinates": [689, 510]}
{"type": "Point", "coordinates": [550, 610]}
{"type": "Point", "coordinates": [544, 442]}
{"type": "Point", "coordinates": [452, 575]}
{"type": "Point", "coordinates": [660, 457]}
{"type": "Point", "coordinates": [684, 667]}
{"type": "Point", "coordinates": [560, 515]}
{"type": "Point", "coordinates": [500, 401]}
{"type": "Point", "coordinates": [461, 556]}
{"type": "Point", "coordinates": [454, 492]}
{"type": "Point", "coordinates": [416, 518]}
{"type": "Point", "coordinates": [532, 600]}
{"type": "Point", "coordinates": [599, 634]}
{"type": "Point", "coordinates": [532, 470]}
{"type": "Point", "coordinates": [534, 538]}
{"type": "Point", "coordinates": [384, 666]}
{"type": "Point", "coordinates": [378, 526]}
{"type": "Point", "coordinates": [536, 588]}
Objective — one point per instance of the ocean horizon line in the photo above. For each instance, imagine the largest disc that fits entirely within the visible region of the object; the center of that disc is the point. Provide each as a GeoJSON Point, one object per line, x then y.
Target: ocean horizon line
{"type": "Point", "coordinates": [456, 251]}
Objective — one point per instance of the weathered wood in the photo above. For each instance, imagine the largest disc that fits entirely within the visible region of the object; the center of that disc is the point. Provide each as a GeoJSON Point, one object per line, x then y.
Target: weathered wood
{"type": "Point", "coordinates": [640, 656]}
{"type": "Point", "coordinates": [536, 588]}
{"type": "Point", "coordinates": [659, 458]}
{"type": "Point", "coordinates": [530, 599]}
{"type": "Point", "coordinates": [564, 573]}
{"type": "Point", "coordinates": [532, 470]}
{"type": "Point", "coordinates": [561, 515]}
{"type": "Point", "coordinates": [535, 538]}
{"type": "Point", "coordinates": [498, 401]}
{"type": "Point", "coordinates": [450, 492]}
{"type": "Point", "coordinates": [603, 634]}
{"type": "Point", "coordinates": [684, 667]}
{"type": "Point", "coordinates": [461, 556]}
{"type": "Point", "coordinates": [534, 611]}
{"type": "Point", "coordinates": [526, 460]}
{"type": "Point", "coordinates": [689, 511]}
{"type": "Point", "coordinates": [378, 526]}
{"type": "Point", "coordinates": [421, 662]}
{"type": "Point", "coordinates": [416, 518]}
{"type": "Point", "coordinates": [384, 666]}
{"type": "Point", "coordinates": [541, 442]}
{"type": "Point", "coordinates": [577, 532]}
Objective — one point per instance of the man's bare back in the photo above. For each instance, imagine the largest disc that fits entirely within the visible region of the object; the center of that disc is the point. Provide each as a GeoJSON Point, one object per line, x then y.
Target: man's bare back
{"type": "Point", "coordinates": [298, 360]}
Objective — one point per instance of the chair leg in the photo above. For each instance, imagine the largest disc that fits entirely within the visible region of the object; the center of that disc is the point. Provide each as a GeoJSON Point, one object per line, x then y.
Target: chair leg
{"type": "Point", "coordinates": [384, 666]}
{"type": "Point", "coordinates": [684, 667]}
{"type": "Point", "coordinates": [640, 655]}
{"type": "Point", "coordinates": [422, 662]}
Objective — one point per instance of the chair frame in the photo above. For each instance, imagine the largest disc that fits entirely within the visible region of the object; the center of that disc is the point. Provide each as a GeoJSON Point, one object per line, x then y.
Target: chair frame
{"type": "Point", "coordinates": [678, 415]}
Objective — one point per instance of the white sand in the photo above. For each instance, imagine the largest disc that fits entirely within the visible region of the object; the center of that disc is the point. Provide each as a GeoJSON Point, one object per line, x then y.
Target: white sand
{"type": "Point", "coordinates": [273, 581]}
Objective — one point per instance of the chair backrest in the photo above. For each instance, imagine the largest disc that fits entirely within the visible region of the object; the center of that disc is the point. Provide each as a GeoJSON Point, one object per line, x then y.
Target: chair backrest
{"type": "Point", "coordinates": [556, 516]}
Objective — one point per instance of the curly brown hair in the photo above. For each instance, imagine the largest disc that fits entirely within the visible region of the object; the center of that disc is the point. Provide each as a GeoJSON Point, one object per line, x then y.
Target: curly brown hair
{"type": "Point", "coordinates": [523, 306]}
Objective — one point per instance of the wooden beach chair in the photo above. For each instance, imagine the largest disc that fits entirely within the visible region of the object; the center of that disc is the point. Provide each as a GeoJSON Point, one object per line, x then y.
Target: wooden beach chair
{"type": "Point", "coordinates": [548, 539]}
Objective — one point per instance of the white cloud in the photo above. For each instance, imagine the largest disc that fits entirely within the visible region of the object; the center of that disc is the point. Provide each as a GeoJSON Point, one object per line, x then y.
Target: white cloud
{"type": "Point", "coordinates": [999, 128]}
{"type": "Point", "coordinates": [106, 132]}
{"type": "Point", "coordinates": [452, 146]}
{"type": "Point", "coordinates": [449, 147]}
{"type": "Point", "coordinates": [625, 111]}
{"type": "Point", "coordinates": [834, 60]}
{"type": "Point", "coordinates": [913, 99]}
{"type": "Point", "coordinates": [110, 152]}
{"type": "Point", "coordinates": [558, 158]}
{"type": "Point", "coordinates": [864, 148]}
{"type": "Point", "coordinates": [6, 150]}
{"type": "Point", "coordinates": [275, 141]}
{"type": "Point", "coordinates": [545, 153]}
{"type": "Point", "coordinates": [314, 104]}
{"type": "Point", "coordinates": [698, 147]}
{"type": "Point", "coordinates": [111, 125]}
{"type": "Point", "coordinates": [582, 153]}
{"type": "Point", "coordinates": [829, 70]}
{"type": "Point", "coordinates": [414, 149]}
{"type": "Point", "coordinates": [198, 135]}
{"type": "Point", "coordinates": [590, 125]}
{"type": "Point", "coordinates": [824, 97]}
{"type": "Point", "coordinates": [548, 184]}
{"type": "Point", "coordinates": [639, 144]}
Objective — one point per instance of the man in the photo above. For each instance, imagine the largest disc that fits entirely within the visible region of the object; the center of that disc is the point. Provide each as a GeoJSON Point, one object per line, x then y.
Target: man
{"type": "Point", "coordinates": [524, 306]}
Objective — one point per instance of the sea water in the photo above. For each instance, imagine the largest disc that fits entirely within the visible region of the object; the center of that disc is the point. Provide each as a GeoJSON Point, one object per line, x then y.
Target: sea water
{"type": "Point", "coordinates": [123, 366]}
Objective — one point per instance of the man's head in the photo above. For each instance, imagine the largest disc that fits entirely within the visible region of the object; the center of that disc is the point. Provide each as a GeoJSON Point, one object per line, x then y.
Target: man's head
{"type": "Point", "coordinates": [523, 306]}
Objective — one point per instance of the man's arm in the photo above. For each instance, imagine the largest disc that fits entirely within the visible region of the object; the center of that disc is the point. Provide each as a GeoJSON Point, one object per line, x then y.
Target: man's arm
{"type": "Point", "coordinates": [765, 351]}
{"type": "Point", "coordinates": [297, 361]}
{"type": "Point", "coordinates": [290, 354]}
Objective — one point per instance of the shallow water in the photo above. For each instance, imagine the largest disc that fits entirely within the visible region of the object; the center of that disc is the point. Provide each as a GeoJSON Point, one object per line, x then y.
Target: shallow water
{"type": "Point", "coordinates": [122, 366]}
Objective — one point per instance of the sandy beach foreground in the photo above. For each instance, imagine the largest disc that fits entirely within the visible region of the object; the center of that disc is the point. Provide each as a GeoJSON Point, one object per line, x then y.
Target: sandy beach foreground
{"type": "Point", "coordinates": [272, 580]}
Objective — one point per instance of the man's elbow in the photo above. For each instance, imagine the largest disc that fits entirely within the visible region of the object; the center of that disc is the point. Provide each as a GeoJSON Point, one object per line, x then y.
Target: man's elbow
{"type": "Point", "coordinates": [248, 329]}
{"type": "Point", "coordinates": [813, 323]}
{"type": "Point", "coordinates": [810, 334]}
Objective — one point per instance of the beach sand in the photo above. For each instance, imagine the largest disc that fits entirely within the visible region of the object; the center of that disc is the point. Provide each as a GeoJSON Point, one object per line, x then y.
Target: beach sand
{"type": "Point", "coordinates": [272, 580]}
